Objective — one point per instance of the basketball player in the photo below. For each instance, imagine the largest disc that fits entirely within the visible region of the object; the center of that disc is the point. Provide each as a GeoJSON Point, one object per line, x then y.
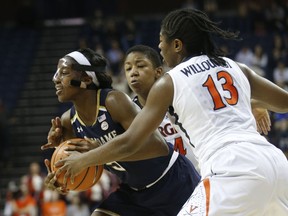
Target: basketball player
{"type": "Point", "coordinates": [143, 66]}
{"type": "Point", "coordinates": [149, 186]}
{"type": "Point", "coordinates": [242, 173]}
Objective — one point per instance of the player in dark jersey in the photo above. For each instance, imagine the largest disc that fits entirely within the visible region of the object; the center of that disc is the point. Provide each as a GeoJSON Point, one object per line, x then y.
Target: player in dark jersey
{"type": "Point", "coordinates": [150, 186]}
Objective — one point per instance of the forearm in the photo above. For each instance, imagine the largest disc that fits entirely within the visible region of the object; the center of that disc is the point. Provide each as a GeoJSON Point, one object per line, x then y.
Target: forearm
{"type": "Point", "coordinates": [114, 150]}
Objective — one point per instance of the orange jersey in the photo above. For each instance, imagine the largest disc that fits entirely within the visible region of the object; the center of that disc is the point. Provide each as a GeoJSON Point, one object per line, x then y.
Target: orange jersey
{"type": "Point", "coordinates": [24, 202]}
{"type": "Point", "coordinates": [56, 208]}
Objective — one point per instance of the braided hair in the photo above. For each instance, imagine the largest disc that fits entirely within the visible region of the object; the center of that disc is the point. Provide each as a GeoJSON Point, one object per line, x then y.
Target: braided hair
{"type": "Point", "coordinates": [195, 29]}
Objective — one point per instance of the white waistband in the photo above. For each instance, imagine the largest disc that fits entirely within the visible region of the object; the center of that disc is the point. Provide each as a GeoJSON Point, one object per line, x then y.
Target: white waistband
{"type": "Point", "coordinates": [171, 162]}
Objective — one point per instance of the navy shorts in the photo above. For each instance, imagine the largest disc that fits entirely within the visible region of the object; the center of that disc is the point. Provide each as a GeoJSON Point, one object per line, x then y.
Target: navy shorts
{"type": "Point", "coordinates": [166, 197]}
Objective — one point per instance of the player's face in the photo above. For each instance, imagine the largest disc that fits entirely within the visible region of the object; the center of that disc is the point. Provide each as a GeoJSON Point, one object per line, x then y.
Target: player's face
{"type": "Point", "coordinates": [167, 51]}
{"type": "Point", "coordinates": [140, 73]}
{"type": "Point", "coordinates": [62, 78]}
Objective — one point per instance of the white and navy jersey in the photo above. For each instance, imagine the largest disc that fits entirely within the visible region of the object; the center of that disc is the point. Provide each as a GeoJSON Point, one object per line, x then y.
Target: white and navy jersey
{"type": "Point", "coordinates": [211, 105]}
{"type": "Point", "coordinates": [173, 135]}
{"type": "Point", "coordinates": [136, 174]}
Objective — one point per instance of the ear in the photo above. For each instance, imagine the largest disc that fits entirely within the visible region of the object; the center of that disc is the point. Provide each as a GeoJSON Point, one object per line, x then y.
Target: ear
{"type": "Point", "coordinates": [87, 79]}
{"type": "Point", "coordinates": [178, 45]}
{"type": "Point", "coordinates": [159, 72]}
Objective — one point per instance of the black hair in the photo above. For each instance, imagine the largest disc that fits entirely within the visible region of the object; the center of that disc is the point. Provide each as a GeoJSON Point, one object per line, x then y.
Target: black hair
{"type": "Point", "coordinates": [151, 54]}
{"type": "Point", "coordinates": [95, 59]}
{"type": "Point", "coordinates": [194, 28]}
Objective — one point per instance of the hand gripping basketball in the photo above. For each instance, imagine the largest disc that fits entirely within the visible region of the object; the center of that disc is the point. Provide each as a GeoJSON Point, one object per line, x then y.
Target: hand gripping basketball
{"type": "Point", "coordinates": [82, 181]}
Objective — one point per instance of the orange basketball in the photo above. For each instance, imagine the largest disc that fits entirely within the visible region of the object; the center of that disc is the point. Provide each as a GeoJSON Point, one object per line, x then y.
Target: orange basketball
{"type": "Point", "coordinates": [84, 180]}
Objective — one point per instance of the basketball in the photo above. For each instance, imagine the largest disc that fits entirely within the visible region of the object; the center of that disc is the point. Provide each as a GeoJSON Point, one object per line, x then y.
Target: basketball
{"type": "Point", "coordinates": [84, 180]}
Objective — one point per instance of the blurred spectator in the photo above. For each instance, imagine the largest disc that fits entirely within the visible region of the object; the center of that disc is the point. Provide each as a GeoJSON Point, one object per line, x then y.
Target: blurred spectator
{"type": "Point", "coordinates": [21, 202]}
{"type": "Point", "coordinates": [260, 60]}
{"type": "Point", "coordinates": [243, 19]}
{"type": "Point", "coordinates": [245, 55]}
{"type": "Point", "coordinates": [281, 128]}
{"type": "Point", "coordinates": [193, 4]}
{"type": "Point", "coordinates": [279, 51]}
{"type": "Point", "coordinates": [35, 182]}
{"type": "Point", "coordinates": [275, 16]}
{"type": "Point", "coordinates": [129, 35]}
{"type": "Point", "coordinates": [11, 190]}
{"type": "Point", "coordinates": [53, 204]}
{"type": "Point", "coordinates": [99, 49]}
{"type": "Point", "coordinates": [77, 205]}
{"type": "Point", "coordinates": [280, 74]}
{"type": "Point", "coordinates": [111, 32]}
{"type": "Point", "coordinates": [279, 44]}
{"type": "Point", "coordinates": [210, 7]}
{"type": "Point", "coordinates": [93, 31]}
{"type": "Point", "coordinates": [115, 57]}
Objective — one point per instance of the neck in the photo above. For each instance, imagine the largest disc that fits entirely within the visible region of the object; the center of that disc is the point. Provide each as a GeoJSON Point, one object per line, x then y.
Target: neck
{"type": "Point", "coordinates": [86, 107]}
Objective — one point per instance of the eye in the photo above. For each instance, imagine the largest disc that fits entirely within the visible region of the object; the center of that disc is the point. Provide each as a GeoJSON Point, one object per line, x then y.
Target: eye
{"type": "Point", "coordinates": [140, 65]}
{"type": "Point", "coordinates": [127, 68]}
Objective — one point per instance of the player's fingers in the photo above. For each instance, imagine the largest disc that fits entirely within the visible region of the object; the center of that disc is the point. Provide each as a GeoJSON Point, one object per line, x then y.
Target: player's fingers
{"type": "Point", "coordinates": [49, 179]}
{"type": "Point", "coordinates": [267, 123]}
{"type": "Point", "coordinates": [47, 164]}
{"type": "Point", "coordinates": [53, 123]}
{"type": "Point", "coordinates": [58, 131]}
{"type": "Point", "coordinates": [262, 129]}
{"type": "Point", "coordinates": [62, 190]}
{"type": "Point", "coordinates": [58, 122]}
{"type": "Point", "coordinates": [59, 171]}
{"type": "Point", "coordinates": [93, 143]}
{"type": "Point", "coordinates": [72, 147]}
{"type": "Point", "coordinates": [258, 127]}
{"type": "Point", "coordinates": [77, 146]}
{"type": "Point", "coordinates": [72, 179]}
{"type": "Point", "coordinates": [266, 126]}
{"type": "Point", "coordinates": [47, 146]}
{"type": "Point", "coordinates": [87, 139]}
{"type": "Point", "coordinates": [60, 163]}
{"type": "Point", "coordinates": [66, 177]}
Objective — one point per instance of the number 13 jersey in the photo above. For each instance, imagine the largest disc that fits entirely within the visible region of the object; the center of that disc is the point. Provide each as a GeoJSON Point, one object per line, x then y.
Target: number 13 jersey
{"type": "Point", "coordinates": [211, 104]}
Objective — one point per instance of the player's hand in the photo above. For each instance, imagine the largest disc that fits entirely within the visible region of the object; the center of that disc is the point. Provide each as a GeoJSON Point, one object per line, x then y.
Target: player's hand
{"type": "Point", "coordinates": [82, 146]}
{"type": "Point", "coordinates": [262, 119]}
{"type": "Point", "coordinates": [70, 165]}
{"type": "Point", "coordinates": [55, 134]}
{"type": "Point", "coordinates": [50, 180]}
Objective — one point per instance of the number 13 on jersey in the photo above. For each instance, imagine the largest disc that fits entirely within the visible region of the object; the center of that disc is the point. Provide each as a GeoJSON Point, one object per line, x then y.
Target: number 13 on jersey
{"type": "Point", "coordinates": [228, 85]}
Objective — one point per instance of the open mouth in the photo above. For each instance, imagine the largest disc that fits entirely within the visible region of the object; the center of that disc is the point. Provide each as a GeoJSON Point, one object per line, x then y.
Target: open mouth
{"type": "Point", "coordinates": [58, 90]}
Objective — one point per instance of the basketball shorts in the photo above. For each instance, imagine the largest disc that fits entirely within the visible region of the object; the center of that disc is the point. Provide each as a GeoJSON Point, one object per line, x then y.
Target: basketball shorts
{"type": "Point", "coordinates": [242, 179]}
{"type": "Point", "coordinates": [166, 197]}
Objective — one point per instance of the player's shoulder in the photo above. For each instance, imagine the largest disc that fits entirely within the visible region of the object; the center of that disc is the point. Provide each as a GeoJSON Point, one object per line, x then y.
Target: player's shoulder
{"type": "Point", "coordinates": [66, 115]}
{"type": "Point", "coordinates": [65, 118]}
{"type": "Point", "coordinates": [115, 96]}
{"type": "Point", "coordinates": [119, 103]}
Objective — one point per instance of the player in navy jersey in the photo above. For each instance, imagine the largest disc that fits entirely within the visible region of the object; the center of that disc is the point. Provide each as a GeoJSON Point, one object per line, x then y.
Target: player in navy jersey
{"type": "Point", "coordinates": [149, 185]}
